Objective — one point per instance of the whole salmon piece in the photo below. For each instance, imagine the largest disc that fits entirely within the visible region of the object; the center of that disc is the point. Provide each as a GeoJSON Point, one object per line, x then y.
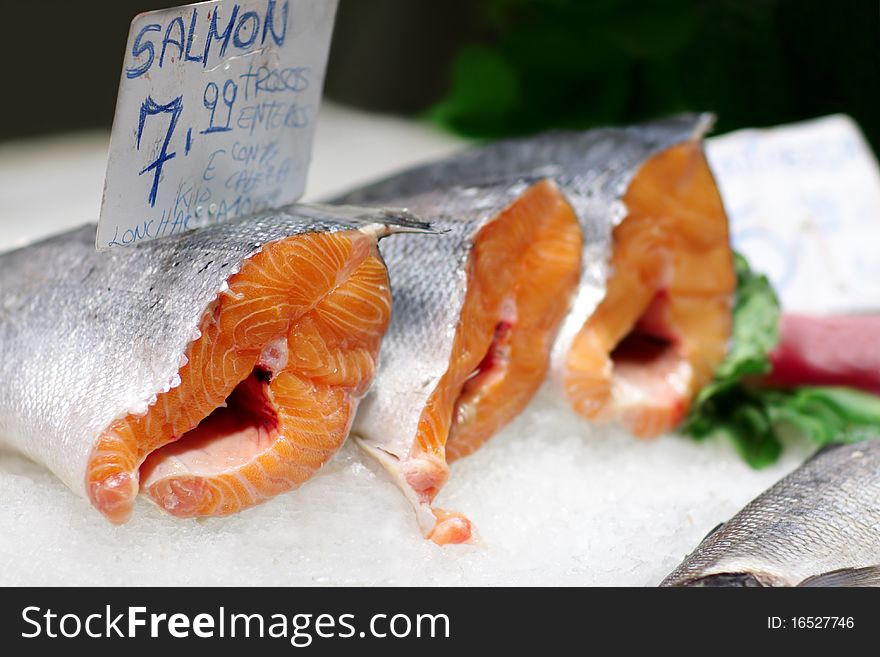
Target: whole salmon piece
{"type": "Point", "coordinates": [816, 527]}
{"type": "Point", "coordinates": [476, 310]}
{"type": "Point", "coordinates": [211, 370]}
{"type": "Point", "coordinates": [652, 314]}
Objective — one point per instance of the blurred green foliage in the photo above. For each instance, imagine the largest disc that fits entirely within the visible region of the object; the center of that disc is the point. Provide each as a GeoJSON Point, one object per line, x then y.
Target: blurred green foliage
{"type": "Point", "coordinates": [580, 63]}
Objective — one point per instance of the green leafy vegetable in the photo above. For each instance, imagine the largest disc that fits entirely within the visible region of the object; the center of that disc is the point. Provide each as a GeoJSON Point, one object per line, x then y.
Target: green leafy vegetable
{"type": "Point", "coordinates": [735, 405]}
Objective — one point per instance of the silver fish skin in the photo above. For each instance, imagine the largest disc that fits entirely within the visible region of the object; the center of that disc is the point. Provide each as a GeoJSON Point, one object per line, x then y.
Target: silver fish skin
{"type": "Point", "coordinates": [88, 337]}
{"type": "Point", "coordinates": [593, 169]}
{"type": "Point", "coordinates": [428, 275]}
{"type": "Point", "coordinates": [818, 526]}
{"type": "Point", "coordinates": [429, 283]}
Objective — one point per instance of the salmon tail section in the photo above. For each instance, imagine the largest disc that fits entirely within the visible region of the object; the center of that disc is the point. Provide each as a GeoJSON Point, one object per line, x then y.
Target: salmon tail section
{"type": "Point", "coordinates": [523, 270]}
{"type": "Point", "coordinates": [664, 323]}
{"type": "Point", "coordinates": [268, 390]}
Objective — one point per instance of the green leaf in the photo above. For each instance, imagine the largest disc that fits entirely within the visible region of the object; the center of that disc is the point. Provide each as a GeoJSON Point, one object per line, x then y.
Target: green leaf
{"type": "Point", "coordinates": [752, 432]}
{"type": "Point", "coordinates": [857, 407]}
{"type": "Point", "coordinates": [754, 334]}
{"type": "Point", "coordinates": [736, 406]}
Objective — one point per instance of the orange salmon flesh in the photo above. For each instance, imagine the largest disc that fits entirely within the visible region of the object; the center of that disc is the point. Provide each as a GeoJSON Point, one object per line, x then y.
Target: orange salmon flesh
{"type": "Point", "coordinates": [268, 390]}
{"type": "Point", "coordinates": [524, 267]}
{"type": "Point", "coordinates": [663, 326]}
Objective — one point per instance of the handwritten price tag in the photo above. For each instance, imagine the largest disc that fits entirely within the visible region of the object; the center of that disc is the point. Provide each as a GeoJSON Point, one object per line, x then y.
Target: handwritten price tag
{"type": "Point", "coordinates": [804, 207]}
{"type": "Point", "coordinates": [215, 115]}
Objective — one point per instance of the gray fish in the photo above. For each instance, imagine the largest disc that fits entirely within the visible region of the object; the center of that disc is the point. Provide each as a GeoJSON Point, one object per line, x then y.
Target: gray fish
{"type": "Point", "coordinates": [819, 526]}
{"type": "Point", "coordinates": [651, 318]}
{"type": "Point", "coordinates": [475, 312]}
{"type": "Point", "coordinates": [213, 369]}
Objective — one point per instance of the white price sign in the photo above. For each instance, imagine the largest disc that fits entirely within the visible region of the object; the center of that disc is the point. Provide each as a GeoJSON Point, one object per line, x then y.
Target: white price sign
{"type": "Point", "coordinates": [804, 207]}
{"type": "Point", "coordinates": [215, 115]}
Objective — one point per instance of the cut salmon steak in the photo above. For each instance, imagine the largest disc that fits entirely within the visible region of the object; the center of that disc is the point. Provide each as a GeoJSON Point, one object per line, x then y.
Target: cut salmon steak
{"type": "Point", "coordinates": [476, 310]}
{"type": "Point", "coordinates": [211, 371]}
{"type": "Point", "coordinates": [663, 325]}
{"type": "Point", "coordinates": [651, 318]}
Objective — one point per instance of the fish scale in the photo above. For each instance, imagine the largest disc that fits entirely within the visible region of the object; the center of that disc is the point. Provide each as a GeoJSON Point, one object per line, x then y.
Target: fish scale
{"type": "Point", "coordinates": [819, 524]}
{"type": "Point", "coordinates": [429, 283]}
{"type": "Point", "coordinates": [596, 170]}
{"type": "Point", "coordinates": [88, 338]}
{"type": "Point", "coordinates": [450, 291]}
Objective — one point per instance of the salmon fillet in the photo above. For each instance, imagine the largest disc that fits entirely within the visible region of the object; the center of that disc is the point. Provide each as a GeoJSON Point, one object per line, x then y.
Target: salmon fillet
{"type": "Point", "coordinates": [211, 371]}
{"type": "Point", "coordinates": [662, 327]}
{"type": "Point", "coordinates": [291, 344]}
{"type": "Point", "coordinates": [650, 320]}
{"type": "Point", "coordinates": [476, 310]}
